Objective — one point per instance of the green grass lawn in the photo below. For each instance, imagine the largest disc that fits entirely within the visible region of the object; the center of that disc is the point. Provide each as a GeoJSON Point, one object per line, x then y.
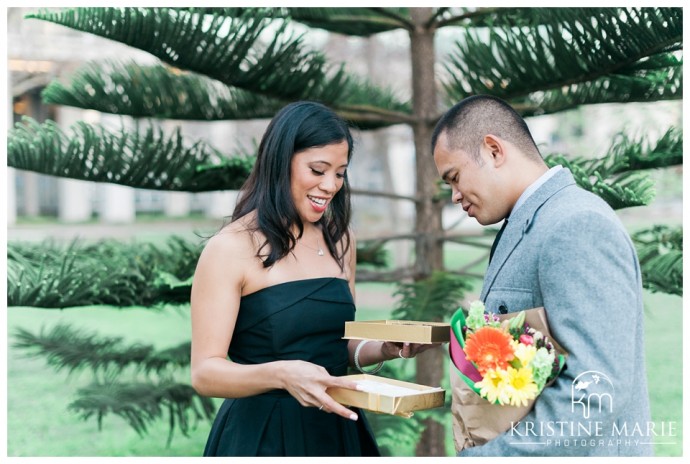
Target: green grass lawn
{"type": "Point", "coordinates": [664, 347]}
{"type": "Point", "coordinates": [39, 424]}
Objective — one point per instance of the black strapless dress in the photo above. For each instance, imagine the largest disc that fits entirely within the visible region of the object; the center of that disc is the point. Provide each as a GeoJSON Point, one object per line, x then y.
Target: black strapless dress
{"type": "Point", "coordinates": [303, 320]}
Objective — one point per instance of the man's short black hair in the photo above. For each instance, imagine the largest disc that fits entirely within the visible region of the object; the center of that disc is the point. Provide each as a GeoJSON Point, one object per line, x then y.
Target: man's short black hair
{"type": "Point", "coordinates": [468, 121]}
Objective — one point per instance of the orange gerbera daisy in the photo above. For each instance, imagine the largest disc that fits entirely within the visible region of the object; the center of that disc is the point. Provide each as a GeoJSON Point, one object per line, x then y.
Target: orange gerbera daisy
{"type": "Point", "coordinates": [489, 348]}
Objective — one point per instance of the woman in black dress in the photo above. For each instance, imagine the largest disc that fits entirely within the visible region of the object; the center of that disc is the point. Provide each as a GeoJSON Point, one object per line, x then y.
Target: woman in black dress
{"type": "Point", "coordinates": [271, 294]}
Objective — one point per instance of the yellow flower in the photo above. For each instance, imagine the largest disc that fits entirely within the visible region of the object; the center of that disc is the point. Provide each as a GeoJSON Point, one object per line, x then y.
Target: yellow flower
{"type": "Point", "coordinates": [524, 353]}
{"type": "Point", "coordinates": [494, 386]}
{"type": "Point", "coordinates": [522, 386]}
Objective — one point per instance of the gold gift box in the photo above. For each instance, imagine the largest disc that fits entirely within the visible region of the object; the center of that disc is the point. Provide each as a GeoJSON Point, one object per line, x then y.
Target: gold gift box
{"type": "Point", "coordinates": [396, 404]}
{"type": "Point", "coordinates": [398, 331]}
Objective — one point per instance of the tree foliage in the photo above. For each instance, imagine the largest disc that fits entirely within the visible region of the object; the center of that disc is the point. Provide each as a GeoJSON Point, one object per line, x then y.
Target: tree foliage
{"type": "Point", "coordinates": [142, 157]}
{"type": "Point", "coordinates": [147, 398]}
{"type": "Point", "coordinates": [109, 272]}
{"type": "Point", "coordinates": [52, 275]}
{"type": "Point", "coordinates": [660, 250]}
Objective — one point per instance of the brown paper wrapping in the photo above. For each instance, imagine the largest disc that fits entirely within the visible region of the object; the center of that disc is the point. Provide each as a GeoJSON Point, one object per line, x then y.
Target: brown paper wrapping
{"type": "Point", "coordinates": [475, 420]}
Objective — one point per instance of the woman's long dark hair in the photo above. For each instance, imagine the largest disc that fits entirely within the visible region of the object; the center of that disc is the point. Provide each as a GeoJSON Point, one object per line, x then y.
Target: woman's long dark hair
{"type": "Point", "coordinates": [296, 127]}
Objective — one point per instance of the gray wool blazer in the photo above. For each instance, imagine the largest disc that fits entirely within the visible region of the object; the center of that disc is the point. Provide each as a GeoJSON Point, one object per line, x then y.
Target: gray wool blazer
{"type": "Point", "coordinates": [566, 250]}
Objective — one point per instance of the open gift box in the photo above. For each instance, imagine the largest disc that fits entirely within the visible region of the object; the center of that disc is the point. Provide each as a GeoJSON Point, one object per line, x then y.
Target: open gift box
{"type": "Point", "coordinates": [388, 396]}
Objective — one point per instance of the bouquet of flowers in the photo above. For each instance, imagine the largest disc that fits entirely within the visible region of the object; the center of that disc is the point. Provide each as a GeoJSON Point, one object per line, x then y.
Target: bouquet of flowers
{"type": "Point", "coordinates": [502, 362]}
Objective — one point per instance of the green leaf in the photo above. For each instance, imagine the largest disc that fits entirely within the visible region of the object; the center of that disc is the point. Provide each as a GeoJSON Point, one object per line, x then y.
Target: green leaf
{"type": "Point", "coordinates": [516, 322]}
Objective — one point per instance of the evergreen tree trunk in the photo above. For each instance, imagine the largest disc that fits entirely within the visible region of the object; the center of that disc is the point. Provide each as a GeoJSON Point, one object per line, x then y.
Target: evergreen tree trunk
{"type": "Point", "coordinates": [428, 249]}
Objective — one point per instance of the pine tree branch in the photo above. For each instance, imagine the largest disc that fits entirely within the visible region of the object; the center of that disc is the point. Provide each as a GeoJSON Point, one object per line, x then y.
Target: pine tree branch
{"type": "Point", "coordinates": [628, 154]}
{"type": "Point", "coordinates": [656, 85]}
{"type": "Point", "coordinates": [362, 22]}
{"type": "Point", "coordinates": [64, 347]}
{"type": "Point", "coordinates": [559, 53]}
{"type": "Point", "coordinates": [169, 93]}
{"type": "Point", "coordinates": [141, 404]}
{"type": "Point", "coordinates": [476, 17]}
{"type": "Point", "coordinates": [400, 18]}
{"type": "Point", "coordinates": [660, 251]}
{"type": "Point", "coordinates": [127, 88]}
{"type": "Point", "coordinates": [226, 49]}
{"type": "Point", "coordinates": [48, 275]}
{"type": "Point", "coordinates": [142, 158]}
{"type": "Point", "coordinates": [370, 253]}
{"type": "Point", "coordinates": [465, 270]}
{"type": "Point", "coordinates": [462, 272]}
{"type": "Point", "coordinates": [467, 240]}
{"type": "Point", "coordinates": [617, 177]}
{"type": "Point", "coordinates": [369, 117]}
{"type": "Point", "coordinates": [230, 50]}
{"type": "Point", "coordinates": [625, 190]}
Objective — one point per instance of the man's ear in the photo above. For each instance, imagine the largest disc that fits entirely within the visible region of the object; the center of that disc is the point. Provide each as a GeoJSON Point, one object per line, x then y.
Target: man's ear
{"type": "Point", "coordinates": [497, 149]}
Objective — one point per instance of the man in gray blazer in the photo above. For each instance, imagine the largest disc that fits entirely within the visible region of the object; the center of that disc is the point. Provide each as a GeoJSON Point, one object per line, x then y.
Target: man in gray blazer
{"type": "Point", "coordinates": [562, 248]}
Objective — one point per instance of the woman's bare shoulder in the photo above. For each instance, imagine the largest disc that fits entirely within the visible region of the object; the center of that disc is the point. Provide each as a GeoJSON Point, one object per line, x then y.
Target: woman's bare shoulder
{"type": "Point", "coordinates": [236, 239]}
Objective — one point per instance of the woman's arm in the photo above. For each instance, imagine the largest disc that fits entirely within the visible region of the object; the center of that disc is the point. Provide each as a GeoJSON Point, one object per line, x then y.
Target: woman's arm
{"type": "Point", "coordinates": [216, 293]}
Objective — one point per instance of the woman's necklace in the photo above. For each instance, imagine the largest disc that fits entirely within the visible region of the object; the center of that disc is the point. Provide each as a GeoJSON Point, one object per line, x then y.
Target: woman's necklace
{"type": "Point", "coordinates": [318, 250]}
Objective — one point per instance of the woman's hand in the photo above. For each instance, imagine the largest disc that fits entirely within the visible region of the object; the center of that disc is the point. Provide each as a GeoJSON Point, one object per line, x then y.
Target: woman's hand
{"type": "Point", "coordinates": [405, 350]}
{"type": "Point", "coordinates": [307, 383]}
